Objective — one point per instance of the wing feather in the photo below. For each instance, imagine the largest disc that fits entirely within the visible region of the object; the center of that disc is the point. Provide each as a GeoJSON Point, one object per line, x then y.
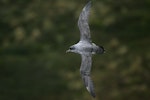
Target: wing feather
{"type": "Point", "coordinates": [85, 70]}
{"type": "Point", "coordinates": [83, 23]}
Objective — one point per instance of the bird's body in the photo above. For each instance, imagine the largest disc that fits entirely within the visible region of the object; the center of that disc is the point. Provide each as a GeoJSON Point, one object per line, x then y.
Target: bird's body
{"type": "Point", "coordinates": [86, 48]}
{"type": "Point", "coordinates": [83, 47]}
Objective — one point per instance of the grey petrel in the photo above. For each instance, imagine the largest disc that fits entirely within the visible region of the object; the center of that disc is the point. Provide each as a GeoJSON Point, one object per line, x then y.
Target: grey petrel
{"type": "Point", "coordinates": [86, 48]}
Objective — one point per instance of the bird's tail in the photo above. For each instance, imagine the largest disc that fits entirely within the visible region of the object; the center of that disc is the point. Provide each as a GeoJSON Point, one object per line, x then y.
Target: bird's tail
{"type": "Point", "coordinates": [100, 50]}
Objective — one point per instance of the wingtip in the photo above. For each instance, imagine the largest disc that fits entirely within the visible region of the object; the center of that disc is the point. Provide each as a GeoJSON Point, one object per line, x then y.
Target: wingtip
{"type": "Point", "coordinates": [92, 93]}
{"type": "Point", "coordinates": [89, 3]}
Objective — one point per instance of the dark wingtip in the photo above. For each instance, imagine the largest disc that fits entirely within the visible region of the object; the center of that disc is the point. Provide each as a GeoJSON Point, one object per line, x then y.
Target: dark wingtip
{"type": "Point", "coordinates": [93, 95]}
{"type": "Point", "coordinates": [88, 4]}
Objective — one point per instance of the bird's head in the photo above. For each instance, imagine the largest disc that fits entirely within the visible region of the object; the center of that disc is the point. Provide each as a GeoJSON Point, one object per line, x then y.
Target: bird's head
{"type": "Point", "coordinates": [71, 49]}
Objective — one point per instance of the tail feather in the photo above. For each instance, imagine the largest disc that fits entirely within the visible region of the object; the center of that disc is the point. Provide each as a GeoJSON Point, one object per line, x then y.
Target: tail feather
{"type": "Point", "coordinates": [100, 50]}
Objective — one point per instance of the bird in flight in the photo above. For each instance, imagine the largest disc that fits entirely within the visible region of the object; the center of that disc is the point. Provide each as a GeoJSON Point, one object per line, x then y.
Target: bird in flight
{"type": "Point", "coordinates": [86, 48]}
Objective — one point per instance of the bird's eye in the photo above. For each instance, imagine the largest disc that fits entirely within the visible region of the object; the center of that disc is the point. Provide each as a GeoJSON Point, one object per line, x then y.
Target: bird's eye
{"type": "Point", "coordinates": [71, 48]}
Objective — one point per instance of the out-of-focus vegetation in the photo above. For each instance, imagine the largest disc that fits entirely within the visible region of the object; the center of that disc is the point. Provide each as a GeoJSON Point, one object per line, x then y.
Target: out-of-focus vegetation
{"type": "Point", "coordinates": [34, 35]}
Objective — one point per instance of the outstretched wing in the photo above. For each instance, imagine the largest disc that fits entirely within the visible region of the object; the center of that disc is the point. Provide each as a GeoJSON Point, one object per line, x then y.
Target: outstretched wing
{"type": "Point", "coordinates": [85, 70]}
{"type": "Point", "coordinates": [83, 23]}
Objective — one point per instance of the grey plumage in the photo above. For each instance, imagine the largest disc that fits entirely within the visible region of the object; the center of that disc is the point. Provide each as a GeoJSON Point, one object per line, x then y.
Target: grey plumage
{"type": "Point", "coordinates": [83, 23]}
{"type": "Point", "coordinates": [86, 48]}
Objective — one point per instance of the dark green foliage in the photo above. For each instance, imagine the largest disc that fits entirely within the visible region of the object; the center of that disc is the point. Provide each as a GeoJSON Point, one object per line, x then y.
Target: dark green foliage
{"type": "Point", "coordinates": [34, 35]}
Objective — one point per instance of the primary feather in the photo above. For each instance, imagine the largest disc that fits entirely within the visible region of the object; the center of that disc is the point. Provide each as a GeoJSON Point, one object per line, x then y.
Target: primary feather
{"type": "Point", "coordinates": [83, 23]}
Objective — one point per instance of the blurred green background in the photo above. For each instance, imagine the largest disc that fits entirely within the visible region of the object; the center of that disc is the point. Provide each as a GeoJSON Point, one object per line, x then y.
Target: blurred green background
{"type": "Point", "coordinates": [34, 35]}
